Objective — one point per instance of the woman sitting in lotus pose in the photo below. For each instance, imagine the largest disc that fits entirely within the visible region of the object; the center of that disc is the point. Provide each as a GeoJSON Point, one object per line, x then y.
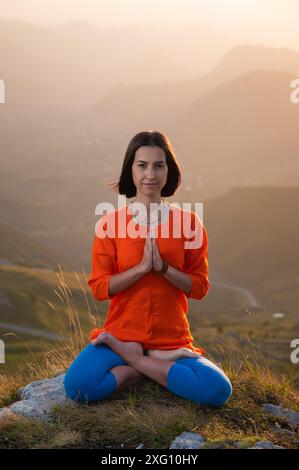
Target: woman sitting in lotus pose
{"type": "Point", "coordinates": [148, 279]}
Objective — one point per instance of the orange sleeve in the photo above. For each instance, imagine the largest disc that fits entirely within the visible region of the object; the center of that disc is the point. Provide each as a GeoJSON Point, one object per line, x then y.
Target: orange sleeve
{"type": "Point", "coordinates": [104, 266]}
{"type": "Point", "coordinates": [196, 263]}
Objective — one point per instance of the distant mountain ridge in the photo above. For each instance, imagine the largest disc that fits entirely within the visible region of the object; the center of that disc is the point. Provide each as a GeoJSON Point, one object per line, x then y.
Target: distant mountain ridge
{"type": "Point", "coordinates": [253, 242]}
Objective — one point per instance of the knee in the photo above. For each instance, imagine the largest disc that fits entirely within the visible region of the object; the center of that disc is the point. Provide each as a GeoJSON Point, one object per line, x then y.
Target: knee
{"type": "Point", "coordinates": [75, 388]}
{"type": "Point", "coordinates": [220, 390]}
{"type": "Point", "coordinates": [86, 390]}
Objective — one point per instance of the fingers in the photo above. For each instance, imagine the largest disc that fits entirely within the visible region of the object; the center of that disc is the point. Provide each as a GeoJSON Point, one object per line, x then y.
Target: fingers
{"type": "Point", "coordinates": [154, 244]}
{"type": "Point", "coordinates": [148, 246]}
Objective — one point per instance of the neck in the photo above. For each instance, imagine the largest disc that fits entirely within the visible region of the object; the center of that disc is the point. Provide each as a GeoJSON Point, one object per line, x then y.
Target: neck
{"type": "Point", "coordinates": [147, 201]}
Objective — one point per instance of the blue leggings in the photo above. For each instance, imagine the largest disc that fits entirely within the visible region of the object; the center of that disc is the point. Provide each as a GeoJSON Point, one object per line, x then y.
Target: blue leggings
{"type": "Point", "coordinates": [89, 379]}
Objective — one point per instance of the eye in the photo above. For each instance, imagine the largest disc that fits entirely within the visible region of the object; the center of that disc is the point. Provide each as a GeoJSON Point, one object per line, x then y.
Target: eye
{"type": "Point", "coordinates": [159, 165]}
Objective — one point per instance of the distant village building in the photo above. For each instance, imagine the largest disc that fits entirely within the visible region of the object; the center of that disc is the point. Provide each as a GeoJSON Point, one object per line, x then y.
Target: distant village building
{"type": "Point", "coordinates": [278, 315]}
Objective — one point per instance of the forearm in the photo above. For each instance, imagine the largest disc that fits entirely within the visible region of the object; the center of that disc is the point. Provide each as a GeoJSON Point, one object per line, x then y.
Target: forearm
{"type": "Point", "coordinates": [180, 280]}
{"type": "Point", "coordinates": [122, 281]}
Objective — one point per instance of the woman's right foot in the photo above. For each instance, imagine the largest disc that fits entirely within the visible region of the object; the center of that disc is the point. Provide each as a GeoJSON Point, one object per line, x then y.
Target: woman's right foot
{"type": "Point", "coordinates": [128, 351]}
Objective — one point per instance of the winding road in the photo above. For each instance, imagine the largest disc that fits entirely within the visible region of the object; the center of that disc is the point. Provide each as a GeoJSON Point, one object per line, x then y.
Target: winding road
{"type": "Point", "coordinates": [32, 331]}
{"type": "Point", "coordinates": [253, 302]}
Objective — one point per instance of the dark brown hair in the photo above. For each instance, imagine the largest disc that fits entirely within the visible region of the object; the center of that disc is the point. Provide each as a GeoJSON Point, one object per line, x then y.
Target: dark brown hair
{"type": "Point", "coordinates": [125, 185]}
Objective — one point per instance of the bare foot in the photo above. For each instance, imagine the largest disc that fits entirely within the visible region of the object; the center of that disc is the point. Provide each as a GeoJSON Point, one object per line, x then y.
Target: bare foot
{"type": "Point", "coordinates": [101, 338]}
{"type": "Point", "coordinates": [172, 355]}
{"type": "Point", "coordinates": [128, 351]}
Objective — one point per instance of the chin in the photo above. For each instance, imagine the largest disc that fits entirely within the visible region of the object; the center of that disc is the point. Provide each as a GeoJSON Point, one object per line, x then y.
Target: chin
{"type": "Point", "coordinates": [152, 188]}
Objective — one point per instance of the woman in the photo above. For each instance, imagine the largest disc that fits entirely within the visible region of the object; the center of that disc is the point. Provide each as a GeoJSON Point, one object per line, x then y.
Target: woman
{"type": "Point", "coordinates": [148, 279]}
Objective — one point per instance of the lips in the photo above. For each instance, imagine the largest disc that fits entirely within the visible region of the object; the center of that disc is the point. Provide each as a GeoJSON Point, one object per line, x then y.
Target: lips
{"type": "Point", "coordinates": [150, 184]}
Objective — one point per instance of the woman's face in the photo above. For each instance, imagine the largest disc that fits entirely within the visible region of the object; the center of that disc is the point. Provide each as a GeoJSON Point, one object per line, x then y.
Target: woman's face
{"type": "Point", "coordinates": [149, 171]}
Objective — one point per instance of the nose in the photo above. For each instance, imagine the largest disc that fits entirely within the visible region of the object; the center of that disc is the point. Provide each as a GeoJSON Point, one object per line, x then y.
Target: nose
{"type": "Point", "coordinates": [150, 174]}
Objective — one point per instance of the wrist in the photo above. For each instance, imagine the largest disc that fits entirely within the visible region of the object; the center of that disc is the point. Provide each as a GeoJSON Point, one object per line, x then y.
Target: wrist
{"type": "Point", "coordinates": [164, 268]}
{"type": "Point", "coordinates": [140, 270]}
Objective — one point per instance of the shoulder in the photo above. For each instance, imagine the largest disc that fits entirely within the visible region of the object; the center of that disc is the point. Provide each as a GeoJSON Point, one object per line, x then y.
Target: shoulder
{"type": "Point", "coordinates": [194, 218]}
{"type": "Point", "coordinates": [194, 230]}
{"type": "Point", "coordinates": [109, 222]}
{"type": "Point", "coordinates": [106, 224]}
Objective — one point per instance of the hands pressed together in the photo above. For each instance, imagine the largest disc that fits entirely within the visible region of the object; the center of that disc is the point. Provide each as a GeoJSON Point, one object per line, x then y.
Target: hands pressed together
{"type": "Point", "coordinates": [151, 255]}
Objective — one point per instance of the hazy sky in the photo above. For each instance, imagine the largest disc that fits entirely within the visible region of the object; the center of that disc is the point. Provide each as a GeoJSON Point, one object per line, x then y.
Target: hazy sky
{"type": "Point", "coordinates": [273, 21]}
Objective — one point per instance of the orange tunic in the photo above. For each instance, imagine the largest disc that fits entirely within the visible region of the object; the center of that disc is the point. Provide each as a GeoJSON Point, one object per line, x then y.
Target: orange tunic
{"type": "Point", "coordinates": [152, 311]}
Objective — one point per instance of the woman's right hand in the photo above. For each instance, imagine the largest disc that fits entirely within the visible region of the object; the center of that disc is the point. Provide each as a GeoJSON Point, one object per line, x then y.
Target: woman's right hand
{"type": "Point", "coordinates": [147, 260]}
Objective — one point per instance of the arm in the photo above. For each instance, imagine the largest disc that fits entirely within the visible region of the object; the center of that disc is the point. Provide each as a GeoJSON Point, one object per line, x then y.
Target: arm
{"type": "Point", "coordinates": [122, 281]}
{"type": "Point", "coordinates": [104, 281]}
{"type": "Point", "coordinates": [179, 279]}
{"type": "Point", "coordinates": [194, 281]}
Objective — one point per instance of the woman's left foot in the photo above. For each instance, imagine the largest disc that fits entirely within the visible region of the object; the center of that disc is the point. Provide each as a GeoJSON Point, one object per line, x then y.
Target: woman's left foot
{"type": "Point", "coordinates": [128, 351]}
{"type": "Point", "coordinates": [172, 355]}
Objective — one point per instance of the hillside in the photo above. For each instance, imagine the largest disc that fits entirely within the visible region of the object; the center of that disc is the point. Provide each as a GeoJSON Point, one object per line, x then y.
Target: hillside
{"type": "Point", "coordinates": [253, 234]}
{"type": "Point", "coordinates": [16, 247]}
{"type": "Point", "coordinates": [166, 101]}
{"type": "Point", "coordinates": [36, 299]}
{"type": "Point", "coordinates": [240, 133]}
{"type": "Point", "coordinates": [30, 54]}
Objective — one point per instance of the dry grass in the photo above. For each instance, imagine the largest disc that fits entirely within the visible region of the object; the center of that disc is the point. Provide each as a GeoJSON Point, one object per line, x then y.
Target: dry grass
{"type": "Point", "coordinates": [147, 412]}
{"type": "Point", "coordinates": [59, 358]}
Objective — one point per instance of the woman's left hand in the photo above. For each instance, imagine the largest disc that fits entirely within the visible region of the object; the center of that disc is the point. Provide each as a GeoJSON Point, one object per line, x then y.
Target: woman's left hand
{"type": "Point", "coordinates": [157, 261]}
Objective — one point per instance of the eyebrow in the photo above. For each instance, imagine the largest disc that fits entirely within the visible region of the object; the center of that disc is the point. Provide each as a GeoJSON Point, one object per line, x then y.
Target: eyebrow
{"type": "Point", "coordinates": [160, 161]}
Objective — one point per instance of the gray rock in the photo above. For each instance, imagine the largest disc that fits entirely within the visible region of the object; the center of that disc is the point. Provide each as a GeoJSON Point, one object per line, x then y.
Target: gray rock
{"type": "Point", "coordinates": [140, 446]}
{"type": "Point", "coordinates": [284, 431]}
{"type": "Point", "coordinates": [6, 413]}
{"type": "Point", "coordinates": [31, 409]}
{"type": "Point", "coordinates": [38, 398]}
{"type": "Point", "coordinates": [266, 445]}
{"type": "Point", "coordinates": [42, 389]}
{"type": "Point", "coordinates": [188, 440]}
{"type": "Point", "coordinates": [291, 416]}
